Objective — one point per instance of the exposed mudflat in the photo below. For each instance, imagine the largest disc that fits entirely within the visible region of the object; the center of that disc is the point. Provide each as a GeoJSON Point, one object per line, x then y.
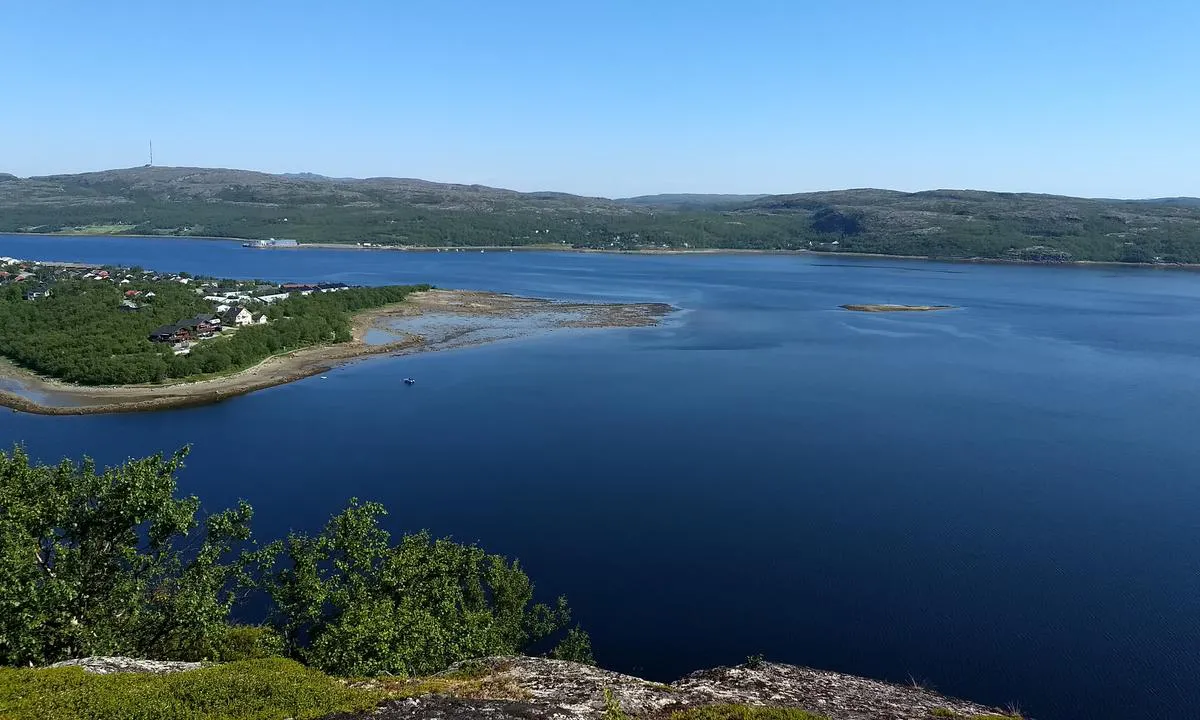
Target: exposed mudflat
{"type": "Point", "coordinates": [433, 320]}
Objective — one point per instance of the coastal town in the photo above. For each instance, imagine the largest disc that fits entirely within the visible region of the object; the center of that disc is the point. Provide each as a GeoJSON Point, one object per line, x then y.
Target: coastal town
{"type": "Point", "coordinates": [234, 304]}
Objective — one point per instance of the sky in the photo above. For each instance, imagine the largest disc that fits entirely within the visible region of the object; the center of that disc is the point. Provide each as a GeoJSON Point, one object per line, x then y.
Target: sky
{"type": "Point", "coordinates": [1097, 98]}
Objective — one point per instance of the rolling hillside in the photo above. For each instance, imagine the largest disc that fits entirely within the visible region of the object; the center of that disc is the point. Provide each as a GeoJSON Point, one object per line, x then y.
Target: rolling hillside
{"type": "Point", "coordinates": [398, 211]}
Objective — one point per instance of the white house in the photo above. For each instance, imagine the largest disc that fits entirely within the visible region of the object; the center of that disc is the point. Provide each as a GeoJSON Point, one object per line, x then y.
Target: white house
{"type": "Point", "coordinates": [235, 317]}
{"type": "Point", "coordinates": [272, 298]}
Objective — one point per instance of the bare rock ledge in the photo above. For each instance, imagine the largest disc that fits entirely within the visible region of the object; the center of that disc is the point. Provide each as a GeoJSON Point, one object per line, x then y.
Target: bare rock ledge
{"type": "Point", "coordinates": [106, 665]}
{"type": "Point", "coordinates": [526, 688]}
{"type": "Point", "coordinates": [529, 688]}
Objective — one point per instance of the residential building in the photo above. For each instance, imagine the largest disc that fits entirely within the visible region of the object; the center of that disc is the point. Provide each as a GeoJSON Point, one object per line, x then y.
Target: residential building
{"type": "Point", "coordinates": [236, 317]}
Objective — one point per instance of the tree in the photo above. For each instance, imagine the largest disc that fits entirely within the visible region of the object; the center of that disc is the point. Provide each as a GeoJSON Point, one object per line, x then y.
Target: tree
{"type": "Point", "coordinates": [94, 563]}
{"type": "Point", "coordinates": [111, 562]}
{"type": "Point", "coordinates": [350, 602]}
{"type": "Point", "coordinates": [576, 647]}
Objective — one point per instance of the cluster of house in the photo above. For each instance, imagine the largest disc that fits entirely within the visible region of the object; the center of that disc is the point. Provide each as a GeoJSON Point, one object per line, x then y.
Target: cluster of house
{"type": "Point", "coordinates": [13, 270]}
{"type": "Point", "coordinates": [203, 326]}
{"type": "Point", "coordinates": [230, 299]}
{"type": "Point", "coordinates": [229, 311]}
{"type": "Point", "coordinates": [40, 276]}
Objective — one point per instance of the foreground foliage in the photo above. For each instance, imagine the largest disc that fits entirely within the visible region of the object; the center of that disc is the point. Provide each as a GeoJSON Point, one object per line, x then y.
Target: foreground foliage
{"type": "Point", "coordinates": [271, 689]}
{"type": "Point", "coordinates": [353, 603]}
{"type": "Point", "coordinates": [92, 563]}
{"type": "Point", "coordinates": [110, 562]}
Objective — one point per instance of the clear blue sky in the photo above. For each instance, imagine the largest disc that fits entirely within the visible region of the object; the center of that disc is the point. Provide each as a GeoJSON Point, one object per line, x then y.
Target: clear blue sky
{"type": "Point", "coordinates": [618, 97]}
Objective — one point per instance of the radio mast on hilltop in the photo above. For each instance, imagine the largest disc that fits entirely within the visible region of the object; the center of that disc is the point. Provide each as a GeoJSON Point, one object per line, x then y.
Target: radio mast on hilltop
{"type": "Point", "coordinates": [151, 163]}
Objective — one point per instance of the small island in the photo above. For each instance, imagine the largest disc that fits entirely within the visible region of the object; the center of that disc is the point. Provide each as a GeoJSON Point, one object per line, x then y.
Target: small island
{"type": "Point", "coordinates": [878, 308]}
{"type": "Point", "coordinates": [78, 339]}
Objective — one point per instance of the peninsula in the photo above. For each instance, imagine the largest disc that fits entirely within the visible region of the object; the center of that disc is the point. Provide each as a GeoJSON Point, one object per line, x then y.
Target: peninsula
{"type": "Point", "coordinates": [77, 339]}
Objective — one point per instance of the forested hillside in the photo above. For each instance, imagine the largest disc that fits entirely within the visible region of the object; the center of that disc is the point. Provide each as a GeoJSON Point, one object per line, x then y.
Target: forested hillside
{"type": "Point", "coordinates": [390, 211]}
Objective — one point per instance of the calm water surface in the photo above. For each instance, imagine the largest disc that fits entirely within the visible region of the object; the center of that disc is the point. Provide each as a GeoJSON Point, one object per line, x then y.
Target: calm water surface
{"type": "Point", "coordinates": [1001, 501]}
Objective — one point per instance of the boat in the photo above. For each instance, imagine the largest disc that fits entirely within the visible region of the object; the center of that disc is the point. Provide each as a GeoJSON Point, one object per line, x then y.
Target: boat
{"type": "Point", "coordinates": [409, 381]}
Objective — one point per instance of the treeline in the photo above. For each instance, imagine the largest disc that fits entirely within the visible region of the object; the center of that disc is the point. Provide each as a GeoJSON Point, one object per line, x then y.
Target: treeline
{"type": "Point", "coordinates": [112, 562]}
{"type": "Point", "coordinates": [1099, 234]}
{"type": "Point", "coordinates": [80, 334]}
{"type": "Point", "coordinates": [429, 226]}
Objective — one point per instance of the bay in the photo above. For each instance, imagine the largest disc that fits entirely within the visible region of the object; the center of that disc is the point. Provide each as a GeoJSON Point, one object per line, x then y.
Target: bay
{"type": "Point", "coordinates": [1000, 501]}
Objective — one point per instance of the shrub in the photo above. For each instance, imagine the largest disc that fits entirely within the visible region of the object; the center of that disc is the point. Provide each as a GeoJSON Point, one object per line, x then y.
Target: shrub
{"type": "Point", "coordinates": [352, 603]}
{"type": "Point", "coordinates": [112, 563]}
{"type": "Point", "coordinates": [271, 689]}
{"type": "Point", "coordinates": [576, 647]}
{"type": "Point", "coordinates": [249, 642]}
{"type": "Point", "coordinates": [93, 563]}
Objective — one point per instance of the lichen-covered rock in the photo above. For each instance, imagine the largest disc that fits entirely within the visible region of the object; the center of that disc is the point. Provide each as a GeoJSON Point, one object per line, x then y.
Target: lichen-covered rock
{"type": "Point", "coordinates": [542, 689]}
{"type": "Point", "coordinates": [581, 691]}
{"type": "Point", "coordinates": [439, 707]}
{"type": "Point", "coordinates": [105, 665]}
{"type": "Point", "coordinates": [837, 696]}
{"type": "Point", "coordinates": [526, 688]}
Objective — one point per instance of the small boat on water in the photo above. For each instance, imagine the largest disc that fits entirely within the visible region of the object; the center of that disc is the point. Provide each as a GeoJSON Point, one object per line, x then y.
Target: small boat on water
{"type": "Point", "coordinates": [409, 381]}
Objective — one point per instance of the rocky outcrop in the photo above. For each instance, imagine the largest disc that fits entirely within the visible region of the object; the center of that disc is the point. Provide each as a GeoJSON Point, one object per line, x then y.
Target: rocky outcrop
{"type": "Point", "coordinates": [528, 688]}
{"type": "Point", "coordinates": [837, 696]}
{"type": "Point", "coordinates": [106, 665]}
{"type": "Point", "coordinates": [540, 689]}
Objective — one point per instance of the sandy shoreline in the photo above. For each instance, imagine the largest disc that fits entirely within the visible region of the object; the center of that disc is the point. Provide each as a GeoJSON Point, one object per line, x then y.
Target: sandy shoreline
{"type": "Point", "coordinates": [439, 319]}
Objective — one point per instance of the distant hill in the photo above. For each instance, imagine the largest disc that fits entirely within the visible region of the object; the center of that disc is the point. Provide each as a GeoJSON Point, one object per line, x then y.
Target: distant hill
{"type": "Point", "coordinates": [1181, 201]}
{"type": "Point", "coordinates": [690, 200]}
{"type": "Point", "coordinates": [404, 211]}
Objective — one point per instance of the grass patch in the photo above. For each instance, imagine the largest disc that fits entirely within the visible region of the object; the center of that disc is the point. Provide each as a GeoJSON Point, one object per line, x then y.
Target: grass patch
{"type": "Point", "coordinates": [114, 229]}
{"type": "Point", "coordinates": [470, 679]}
{"type": "Point", "coordinates": [612, 707]}
{"type": "Point", "coordinates": [271, 689]}
{"type": "Point", "coordinates": [744, 712]}
{"type": "Point", "coordinates": [948, 713]}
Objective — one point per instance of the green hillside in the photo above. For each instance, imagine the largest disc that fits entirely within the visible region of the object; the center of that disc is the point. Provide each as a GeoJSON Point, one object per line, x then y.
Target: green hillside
{"type": "Point", "coordinates": [393, 211]}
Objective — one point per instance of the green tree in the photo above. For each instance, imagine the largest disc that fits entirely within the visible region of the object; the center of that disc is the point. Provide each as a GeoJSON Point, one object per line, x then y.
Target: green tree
{"type": "Point", "coordinates": [94, 562]}
{"type": "Point", "coordinates": [351, 602]}
{"type": "Point", "coordinates": [576, 647]}
{"type": "Point", "coordinates": [111, 562]}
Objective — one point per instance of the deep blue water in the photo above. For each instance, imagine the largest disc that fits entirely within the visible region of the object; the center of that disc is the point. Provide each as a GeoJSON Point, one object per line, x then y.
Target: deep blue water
{"type": "Point", "coordinates": [1001, 501]}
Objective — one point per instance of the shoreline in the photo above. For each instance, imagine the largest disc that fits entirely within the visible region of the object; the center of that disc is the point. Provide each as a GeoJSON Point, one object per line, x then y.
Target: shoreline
{"type": "Point", "coordinates": [1192, 267]}
{"type": "Point", "coordinates": [442, 319]}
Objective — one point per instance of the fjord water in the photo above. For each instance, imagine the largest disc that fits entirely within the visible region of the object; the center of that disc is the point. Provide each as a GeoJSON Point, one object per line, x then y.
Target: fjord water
{"type": "Point", "coordinates": [1001, 501]}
